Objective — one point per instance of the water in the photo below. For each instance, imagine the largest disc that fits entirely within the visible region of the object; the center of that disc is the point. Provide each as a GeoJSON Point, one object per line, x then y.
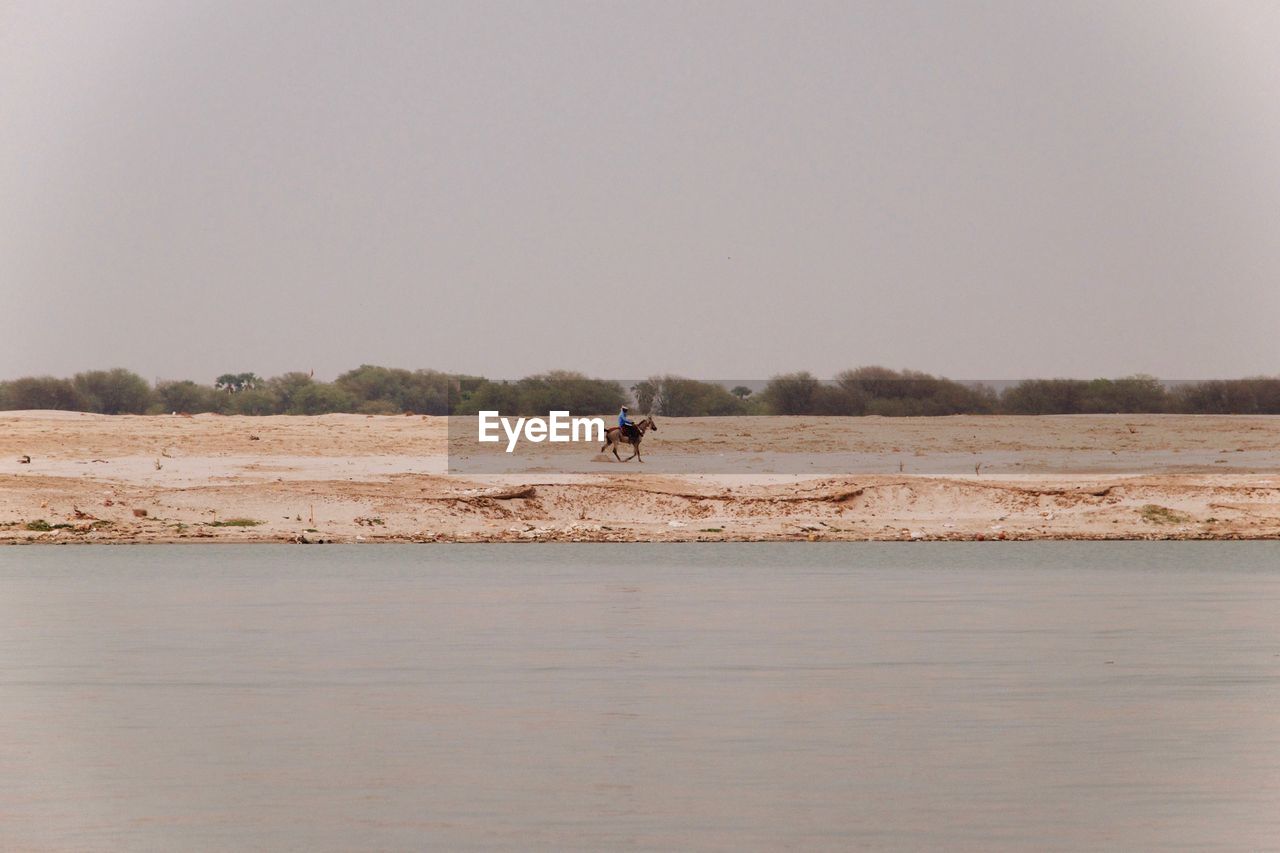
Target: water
{"type": "Point", "coordinates": [971, 696]}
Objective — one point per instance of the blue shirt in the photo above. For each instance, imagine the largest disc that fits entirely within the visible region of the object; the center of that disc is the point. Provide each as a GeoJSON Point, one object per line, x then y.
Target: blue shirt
{"type": "Point", "coordinates": [623, 420]}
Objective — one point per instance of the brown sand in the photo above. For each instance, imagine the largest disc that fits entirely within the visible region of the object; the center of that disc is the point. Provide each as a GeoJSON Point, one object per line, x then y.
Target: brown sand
{"type": "Point", "coordinates": [343, 478]}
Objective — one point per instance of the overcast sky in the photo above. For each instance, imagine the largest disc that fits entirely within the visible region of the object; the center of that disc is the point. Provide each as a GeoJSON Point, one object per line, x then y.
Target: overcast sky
{"type": "Point", "coordinates": [982, 190]}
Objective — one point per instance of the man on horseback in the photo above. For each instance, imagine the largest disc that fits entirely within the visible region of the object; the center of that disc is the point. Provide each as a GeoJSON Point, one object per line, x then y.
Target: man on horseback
{"type": "Point", "coordinates": [627, 425]}
{"type": "Point", "coordinates": [627, 432]}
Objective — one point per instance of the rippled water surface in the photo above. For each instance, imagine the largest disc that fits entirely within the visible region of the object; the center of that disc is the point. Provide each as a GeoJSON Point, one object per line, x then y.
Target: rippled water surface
{"type": "Point", "coordinates": [890, 696]}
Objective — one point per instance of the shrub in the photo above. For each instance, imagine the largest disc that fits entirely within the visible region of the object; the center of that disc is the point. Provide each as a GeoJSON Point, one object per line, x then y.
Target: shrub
{"type": "Point", "coordinates": [187, 396]}
{"type": "Point", "coordinates": [489, 396]}
{"type": "Point", "coordinates": [1127, 394]}
{"type": "Point", "coordinates": [568, 391]}
{"type": "Point", "coordinates": [1045, 397]}
{"type": "Point", "coordinates": [114, 392]}
{"type": "Point", "coordinates": [643, 393]}
{"type": "Point", "coordinates": [536, 395]}
{"type": "Point", "coordinates": [677, 397]}
{"type": "Point", "coordinates": [792, 394]}
{"type": "Point", "coordinates": [234, 383]}
{"type": "Point", "coordinates": [286, 388]}
{"type": "Point", "coordinates": [44, 392]}
{"type": "Point", "coordinates": [881, 391]}
{"type": "Point", "coordinates": [392, 390]}
{"type": "Point", "coordinates": [320, 398]}
{"type": "Point", "coordinates": [1257, 395]}
{"type": "Point", "coordinates": [255, 401]}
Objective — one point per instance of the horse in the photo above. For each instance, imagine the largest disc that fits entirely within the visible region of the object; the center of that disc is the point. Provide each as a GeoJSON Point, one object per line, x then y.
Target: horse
{"type": "Point", "coordinates": [615, 436]}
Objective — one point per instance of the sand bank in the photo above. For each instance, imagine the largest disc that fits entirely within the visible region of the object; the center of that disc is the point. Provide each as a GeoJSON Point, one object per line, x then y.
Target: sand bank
{"type": "Point", "coordinates": [342, 478]}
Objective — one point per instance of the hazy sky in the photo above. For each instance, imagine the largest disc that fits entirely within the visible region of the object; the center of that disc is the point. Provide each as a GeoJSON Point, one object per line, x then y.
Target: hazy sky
{"type": "Point", "coordinates": [718, 189]}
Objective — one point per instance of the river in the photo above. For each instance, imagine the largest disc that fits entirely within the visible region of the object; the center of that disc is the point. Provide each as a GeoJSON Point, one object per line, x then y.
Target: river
{"type": "Point", "coordinates": [900, 696]}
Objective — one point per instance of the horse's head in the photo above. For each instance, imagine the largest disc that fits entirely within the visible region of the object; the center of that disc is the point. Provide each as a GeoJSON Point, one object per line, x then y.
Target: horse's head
{"type": "Point", "coordinates": [652, 424]}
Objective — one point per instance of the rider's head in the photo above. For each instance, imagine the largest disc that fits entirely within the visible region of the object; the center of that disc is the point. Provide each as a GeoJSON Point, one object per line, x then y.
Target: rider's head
{"type": "Point", "coordinates": [624, 408]}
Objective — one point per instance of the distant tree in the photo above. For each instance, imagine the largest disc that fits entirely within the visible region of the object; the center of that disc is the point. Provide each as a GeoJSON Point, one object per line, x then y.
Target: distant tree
{"type": "Point", "coordinates": [114, 392]}
{"type": "Point", "coordinates": [1266, 394]}
{"type": "Point", "coordinates": [321, 398]}
{"type": "Point", "coordinates": [568, 391]}
{"type": "Point", "coordinates": [1127, 394]}
{"type": "Point", "coordinates": [536, 395]}
{"type": "Point", "coordinates": [392, 390]}
{"type": "Point", "coordinates": [644, 393]}
{"type": "Point", "coordinates": [234, 383]}
{"type": "Point", "coordinates": [1256, 395]}
{"type": "Point", "coordinates": [486, 395]}
{"type": "Point", "coordinates": [678, 397]}
{"type": "Point", "coordinates": [792, 394]}
{"type": "Point", "coordinates": [286, 388]}
{"type": "Point", "coordinates": [881, 391]}
{"type": "Point", "coordinates": [873, 390]}
{"type": "Point", "coordinates": [256, 401]}
{"type": "Point", "coordinates": [1045, 397]}
{"type": "Point", "coordinates": [187, 396]}
{"type": "Point", "coordinates": [44, 392]}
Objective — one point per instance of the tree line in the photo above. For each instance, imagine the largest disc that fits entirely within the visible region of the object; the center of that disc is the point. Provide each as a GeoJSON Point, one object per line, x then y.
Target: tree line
{"type": "Point", "coordinates": [375, 390]}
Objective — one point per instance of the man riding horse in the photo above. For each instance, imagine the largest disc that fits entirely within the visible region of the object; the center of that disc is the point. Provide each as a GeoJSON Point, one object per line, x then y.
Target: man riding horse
{"type": "Point", "coordinates": [627, 425]}
{"type": "Point", "coordinates": [627, 432]}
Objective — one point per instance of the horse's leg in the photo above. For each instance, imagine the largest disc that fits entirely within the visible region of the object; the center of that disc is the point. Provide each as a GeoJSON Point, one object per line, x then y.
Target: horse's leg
{"type": "Point", "coordinates": [635, 451]}
{"type": "Point", "coordinates": [615, 451]}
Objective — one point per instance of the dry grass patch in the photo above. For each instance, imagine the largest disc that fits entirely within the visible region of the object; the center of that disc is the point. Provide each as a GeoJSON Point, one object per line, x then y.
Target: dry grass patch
{"type": "Point", "coordinates": [1156, 514]}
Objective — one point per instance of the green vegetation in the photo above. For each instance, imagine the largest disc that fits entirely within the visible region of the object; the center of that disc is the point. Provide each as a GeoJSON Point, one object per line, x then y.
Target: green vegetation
{"type": "Point", "coordinates": [42, 526]}
{"type": "Point", "coordinates": [113, 392]}
{"type": "Point", "coordinates": [237, 522]}
{"type": "Point", "coordinates": [393, 391]}
{"type": "Point", "coordinates": [187, 396]}
{"type": "Point", "coordinates": [793, 394]}
{"type": "Point", "coordinates": [559, 390]}
{"type": "Point", "coordinates": [1156, 514]}
{"type": "Point", "coordinates": [1132, 394]}
{"type": "Point", "coordinates": [234, 383]}
{"type": "Point", "coordinates": [875, 391]}
{"type": "Point", "coordinates": [375, 390]}
{"type": "Point", "coordinates": [43, 392]}
{"type": "Point", "coordinates": [677, 397]}
{"type": "Point", "coordinates": [879, 391]}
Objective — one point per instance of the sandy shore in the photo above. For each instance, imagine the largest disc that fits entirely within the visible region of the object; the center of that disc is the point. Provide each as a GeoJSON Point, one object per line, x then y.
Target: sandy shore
{"type": "Point", "coordinates": [343, 478]}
